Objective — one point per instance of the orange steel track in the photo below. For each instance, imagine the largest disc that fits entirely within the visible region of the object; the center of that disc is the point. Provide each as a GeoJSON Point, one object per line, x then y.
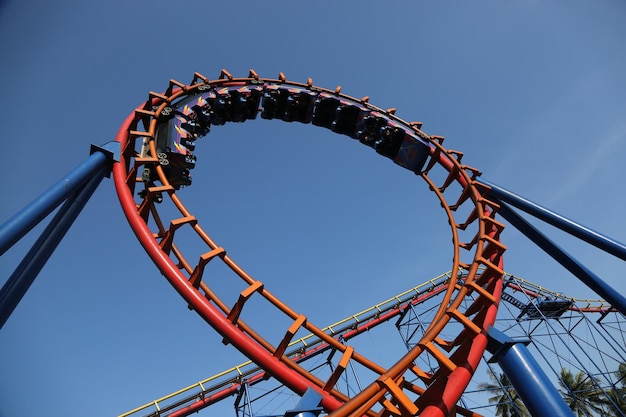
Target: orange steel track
{"type": "Point", "coordinates": [402, 389]}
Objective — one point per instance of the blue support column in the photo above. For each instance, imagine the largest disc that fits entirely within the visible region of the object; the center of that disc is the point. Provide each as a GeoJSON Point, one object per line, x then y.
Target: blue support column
{"type": "Point", "coordinates": [26, 272]}
{"type": "Point", "coordinates": [308, 406]}
{"type": "Point", "coordinates": [536, 391]}
{"type": "Point", "coordinates": [592, 237]}
{"type": "Point", "coordinates": [21, 223]}
{"type": "Point", "coordinates": [590, 279]}
{"type": "Point", "coordinates": [79, 185]}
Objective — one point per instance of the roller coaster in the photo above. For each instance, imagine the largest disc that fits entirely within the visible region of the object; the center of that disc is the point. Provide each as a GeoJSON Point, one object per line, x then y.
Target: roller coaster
{"type": "Point", "coordinates": [448, 325]}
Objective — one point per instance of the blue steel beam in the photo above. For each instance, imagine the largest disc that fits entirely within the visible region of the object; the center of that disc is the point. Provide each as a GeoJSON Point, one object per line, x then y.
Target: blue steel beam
{"type": "Point", "coordinates": [75, 189]}
{"type": "Point", "coordinates": [308, 406]}
{"type": "Point", "coordinates": [20, 281]}
{"type": "Point", "coordinates": [592, 281]}
{"type": "Point", "coordinates": [592, 237]}
{"type": "Point", "coordinates": [536, 391]}
{"type": "Point", "coordinates": [22, 222]}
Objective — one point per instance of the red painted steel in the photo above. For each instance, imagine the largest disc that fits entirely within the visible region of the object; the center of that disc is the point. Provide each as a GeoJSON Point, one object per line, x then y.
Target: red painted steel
{"type": "Point", "coordinates": [165, 264]}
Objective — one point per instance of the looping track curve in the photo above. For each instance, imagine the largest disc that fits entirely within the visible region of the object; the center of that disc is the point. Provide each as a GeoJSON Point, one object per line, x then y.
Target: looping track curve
{"type": "Point", "coordinates": [159, 136]}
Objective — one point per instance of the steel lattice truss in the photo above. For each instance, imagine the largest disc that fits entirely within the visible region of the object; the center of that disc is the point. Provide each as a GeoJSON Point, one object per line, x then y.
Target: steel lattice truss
{"type": "Point", "coordinates": [579, 336]}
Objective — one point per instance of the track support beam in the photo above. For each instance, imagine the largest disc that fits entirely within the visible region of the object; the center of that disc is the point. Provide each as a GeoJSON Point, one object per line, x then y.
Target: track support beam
{"type": "Point", "coordinates": [540, 397]}
{"type": "Point", "coordinates": [590, 279]}
{"type": "Point", "coordinates": [308, 406]}
{"type": "Point", "coordinates": [592, 237]}
{"type": "Point", "coordinates": [75, 189]}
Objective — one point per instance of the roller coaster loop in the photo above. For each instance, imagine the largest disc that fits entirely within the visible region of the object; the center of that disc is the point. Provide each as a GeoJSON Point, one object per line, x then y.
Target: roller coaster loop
{"type": "Point", "coordinates": [183, 113]}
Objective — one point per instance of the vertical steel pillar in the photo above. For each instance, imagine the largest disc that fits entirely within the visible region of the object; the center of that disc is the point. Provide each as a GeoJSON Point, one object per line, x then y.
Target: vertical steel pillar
{"type": "Point", "coordinates": [536, 391]}
{"type": "Point", "coordinates": [79, 185]}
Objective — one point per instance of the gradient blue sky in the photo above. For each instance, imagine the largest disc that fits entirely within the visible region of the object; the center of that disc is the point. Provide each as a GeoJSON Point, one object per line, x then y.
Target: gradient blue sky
{"type": "Point", "coordinates": [532, 92]}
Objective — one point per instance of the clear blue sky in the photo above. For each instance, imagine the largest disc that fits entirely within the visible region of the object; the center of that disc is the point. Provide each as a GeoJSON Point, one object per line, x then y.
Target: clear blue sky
{"type": "Point", "coordinates": [533, 93]}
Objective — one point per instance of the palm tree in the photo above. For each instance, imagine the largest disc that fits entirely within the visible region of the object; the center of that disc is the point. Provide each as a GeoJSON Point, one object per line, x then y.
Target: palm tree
{"type": "Point", "coordinates": [582, 394]}
{"type": "Point", "coordinates": [617, 394]}
{"type": "Point", "coordinates": [508, 403]}
{"type": "Point", "coordinates": [617, 405]}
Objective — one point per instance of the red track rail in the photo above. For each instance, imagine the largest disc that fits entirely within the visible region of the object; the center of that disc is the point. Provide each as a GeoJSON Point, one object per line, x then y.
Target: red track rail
{"type": "Point", "coordinates": [479, 257]}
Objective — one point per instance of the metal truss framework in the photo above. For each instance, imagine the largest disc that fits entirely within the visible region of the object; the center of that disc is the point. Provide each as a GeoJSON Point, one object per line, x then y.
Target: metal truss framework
{"type": "Point", "coordinates": [586, 336]}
